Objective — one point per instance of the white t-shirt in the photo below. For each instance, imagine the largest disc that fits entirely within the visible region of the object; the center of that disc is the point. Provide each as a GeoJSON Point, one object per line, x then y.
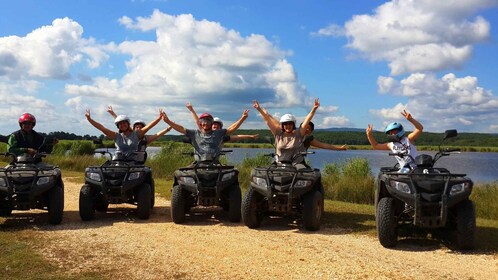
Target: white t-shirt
{"type": "Point", "coordinates": [401, 147]}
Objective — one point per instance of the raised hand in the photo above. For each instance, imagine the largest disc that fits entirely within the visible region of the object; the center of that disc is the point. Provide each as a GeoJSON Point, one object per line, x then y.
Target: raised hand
{"type": "Point", "coordinates": [256, 105]}
{"type": "Point", "coordinates": [189, 106]}
{"type": "Point", "coordinates": [317, 104]}
{"type": "Point", "coordinates": [87, 114]}
{"type": "Point", "coordinates": [369, 129]}
{"type": "Point", "coordinates": [245, 114]}
{"type": "Point", "coordinates": [110, 110]}
{"type": "Point", "coordinates": [407, 115]}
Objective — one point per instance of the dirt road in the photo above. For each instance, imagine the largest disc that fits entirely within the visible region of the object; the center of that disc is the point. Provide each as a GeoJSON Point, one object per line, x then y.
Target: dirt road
{"type": "Point", "coordinates": [119, 246]}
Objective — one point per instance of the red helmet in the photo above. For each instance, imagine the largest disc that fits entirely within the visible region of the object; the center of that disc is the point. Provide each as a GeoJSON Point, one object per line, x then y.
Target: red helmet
{"type": "Point", "coordinates": [27, 117]}
{"type": "Point", "coordinates": [206, 116]}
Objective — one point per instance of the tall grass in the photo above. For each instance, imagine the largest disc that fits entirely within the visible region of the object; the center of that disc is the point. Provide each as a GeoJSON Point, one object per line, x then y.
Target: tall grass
{"type": "Point", "coordinates": [351, 181]}
{"type": "Point", "coordinates": [247, 165]}
{"type": "Point", "coordinates": [171, 157]}
{"type": "Point", "coordinates": [485, 198]}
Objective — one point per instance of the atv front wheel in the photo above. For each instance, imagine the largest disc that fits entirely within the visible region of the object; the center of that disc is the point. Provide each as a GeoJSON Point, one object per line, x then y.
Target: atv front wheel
{"type": "Point", "coordinates": [235, 199]}
{"type": "Point", "coordinates": [312, 210]}
{"type": "Point", "coordinates": [144, 201]}
{"type": "Point", "coordinates": [251, 215]}
{"type": "Point", "coordinates": [465, 225]}
{"type": "Point", "coordinates": [387, 228]}
{"type": "Point", "coordinates": [86, 203]}
{"type": "Point", "coordinates": [177, 205]}
{"type": "Point", "coordinates": [56, 205]}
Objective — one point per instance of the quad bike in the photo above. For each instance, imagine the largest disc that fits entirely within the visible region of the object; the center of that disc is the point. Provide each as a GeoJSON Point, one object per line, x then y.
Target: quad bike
{"type": "Point", "coordinates": [425, 198]}
{"type": "Point", "coordinates": [26, 184]}
{"type": "Point", "coordinates": [206, 182]}
{"type": "Point", "coordinates": [282, 189]}
{"type": "Point", "coordinates": [123, 179]}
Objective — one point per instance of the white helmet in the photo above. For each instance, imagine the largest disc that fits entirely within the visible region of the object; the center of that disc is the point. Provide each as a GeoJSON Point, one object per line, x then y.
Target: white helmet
{"type": "Point", "coordinates": [138, 122]}
{"type": "Point", "coordinates": [288, 118]}
{"type": "Point", "coordinates": [218, 120]}
{"type": "Point", "coordinates": [121, 118]}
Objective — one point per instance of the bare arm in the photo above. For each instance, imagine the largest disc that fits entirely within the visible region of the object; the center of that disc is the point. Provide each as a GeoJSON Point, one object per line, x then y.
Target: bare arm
{"type": "Point", "coordinates": [241, 137]}
{"type": "Point", "coordinates": [309, 117]}
{"type": "Point", "coordinates": [194, 115]}
{"type": "Point", "coordinates": [152, 138]}
{"type": "Point", "coordinates": [321, 145]}
{"type": "Point", "coordinates": [175, 126]}
{"type": "Point", "coordinates": [238, 123]}
{"type": "Point", "coordinates": [111, 111]}
{"type": "Point", "coordinates": [272, 124]}
{"type": "Point", "coordinates": [373, 143]}
{"type": "Point", "coordinates": [418, 126]}
{"type": "Point", "coordinates": [107, 132]}
{"type": "Point", "coordinates": [144, 130]}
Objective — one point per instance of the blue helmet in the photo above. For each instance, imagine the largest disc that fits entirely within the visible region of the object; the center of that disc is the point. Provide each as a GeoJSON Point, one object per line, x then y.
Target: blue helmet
{"type": "Point", "coordinates": [395, 126]}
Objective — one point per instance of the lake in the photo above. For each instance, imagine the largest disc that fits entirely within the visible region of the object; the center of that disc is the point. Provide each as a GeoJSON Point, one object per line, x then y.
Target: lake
{"type": "Point", "coordinates": [480, 167]}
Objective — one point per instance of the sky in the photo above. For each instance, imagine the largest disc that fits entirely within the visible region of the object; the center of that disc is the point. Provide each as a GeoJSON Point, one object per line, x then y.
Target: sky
{"type": "Point", "coordinates": [366, 61]}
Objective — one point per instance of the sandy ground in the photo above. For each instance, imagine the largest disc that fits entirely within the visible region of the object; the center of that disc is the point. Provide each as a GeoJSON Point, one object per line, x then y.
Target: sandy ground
{"type": "Point", "coordinates": [117, 245]}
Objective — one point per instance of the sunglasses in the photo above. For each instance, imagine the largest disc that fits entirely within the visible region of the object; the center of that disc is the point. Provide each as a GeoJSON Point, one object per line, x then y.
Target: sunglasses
{"type": "Point", "coordinates": [28, 123]}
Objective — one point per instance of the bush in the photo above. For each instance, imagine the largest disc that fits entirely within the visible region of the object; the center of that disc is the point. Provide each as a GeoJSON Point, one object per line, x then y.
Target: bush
{"type": "Point", "coordinates": [349, 182]}
{"type": "Point", "coordinates": [170, 158]}
{"type": "Point", "coordinates": [74, 148]}
{"type": "Point", "coordinates": [247, 166]}
{"type": "Point", "coordinates": [485, 198]}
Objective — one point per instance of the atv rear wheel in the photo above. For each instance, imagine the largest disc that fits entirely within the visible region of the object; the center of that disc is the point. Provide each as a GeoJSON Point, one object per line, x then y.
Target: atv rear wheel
{"type": "Point", "coordinates": [312, 210]}
{"type": "Point", "coordinates": [251, 215]}
{"type": "Point", "coordinates": [387, 228]}
{"type": "Point", "coordinates": [235, 199]}
{"type": "Point", "coordinates": [56, 205]}
{"type": "Point", "coordinates": [465, 225]}
{"type": "Point", "coordinates": [177, 205]}
{"type": "Point", "coordinates": [144, 201]}
{"type": "Point", "coordinates": [86, 203]}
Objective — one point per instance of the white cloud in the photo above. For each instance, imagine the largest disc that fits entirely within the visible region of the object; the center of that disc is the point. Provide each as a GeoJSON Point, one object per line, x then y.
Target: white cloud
{"type": "Point", "coordinates": [198, 61]}
{"type": "Point", "coordinates": [441, 103]}
{"type": "Point", "coordinates": [418, 35]}
{"type": "Point", "coordinates": [48, 52]}
{"type": "Point", "coordinates": [331, 30]}
{"type": "Point", "coordinates": [335, 121]}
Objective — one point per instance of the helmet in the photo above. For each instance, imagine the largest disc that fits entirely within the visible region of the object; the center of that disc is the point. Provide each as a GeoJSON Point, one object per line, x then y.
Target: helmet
{"type": "Point", "coordinates": [138, 122]}
{"type": "Point", "coordinates": [288, 118]}
{"type": "Point", "coordinates": [27, 117]}
{"type": "Point", "coordinates": [206, 116]}
{"type": "Point", "coordinates": [397, 126]}
{"type": "Point", "coordinates": [121, 118]}
{"type": "Point", "coordinates": [218, 120]}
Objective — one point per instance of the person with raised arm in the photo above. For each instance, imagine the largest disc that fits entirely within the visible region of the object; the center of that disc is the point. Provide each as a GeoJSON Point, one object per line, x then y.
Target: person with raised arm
{"type": "Point", "coordinates": [399, 142]}
{"type": "Point", "coordinates": [288, 137]}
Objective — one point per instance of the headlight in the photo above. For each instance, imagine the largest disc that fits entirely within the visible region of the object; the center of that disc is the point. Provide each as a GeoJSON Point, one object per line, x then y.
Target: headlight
{"type": "Point", "coordinates": [134, 175]}
{"type": "Point", "coordinates": [400, 186]}
{"type": "Point", "coordinates": [3, 183]}
{"type": "Point", "coordinates": [259, 181]}
{"type": "Point", "coordinates": [187, 180]}
{"type": "Point", "coordinates": [94, 176]}
{"type": "Point", "coordinates": [43, 180]}
{"type": "Point", "coordinates": [228, 176]}
{"type": "Point", "coordinates": [302, 183]}
{"type": "Point", "coordinates": [458, 188]}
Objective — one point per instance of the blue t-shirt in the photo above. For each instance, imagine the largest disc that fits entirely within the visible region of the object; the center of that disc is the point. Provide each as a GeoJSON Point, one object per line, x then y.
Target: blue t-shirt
{"type": "Point", "coordinates": [209, 144]}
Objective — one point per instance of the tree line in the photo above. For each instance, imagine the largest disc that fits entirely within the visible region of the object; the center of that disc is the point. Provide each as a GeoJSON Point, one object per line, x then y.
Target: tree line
{"type": "Point", "coordinates": [332, 137]}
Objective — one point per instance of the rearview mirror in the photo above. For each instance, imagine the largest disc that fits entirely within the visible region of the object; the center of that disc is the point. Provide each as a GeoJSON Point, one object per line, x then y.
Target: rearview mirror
{"type": "Point", "coordinates": [450, 133]}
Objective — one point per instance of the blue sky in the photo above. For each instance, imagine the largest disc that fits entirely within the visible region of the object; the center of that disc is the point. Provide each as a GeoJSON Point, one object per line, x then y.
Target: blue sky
{"type": "Point", "coordinates": [364, 60]}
